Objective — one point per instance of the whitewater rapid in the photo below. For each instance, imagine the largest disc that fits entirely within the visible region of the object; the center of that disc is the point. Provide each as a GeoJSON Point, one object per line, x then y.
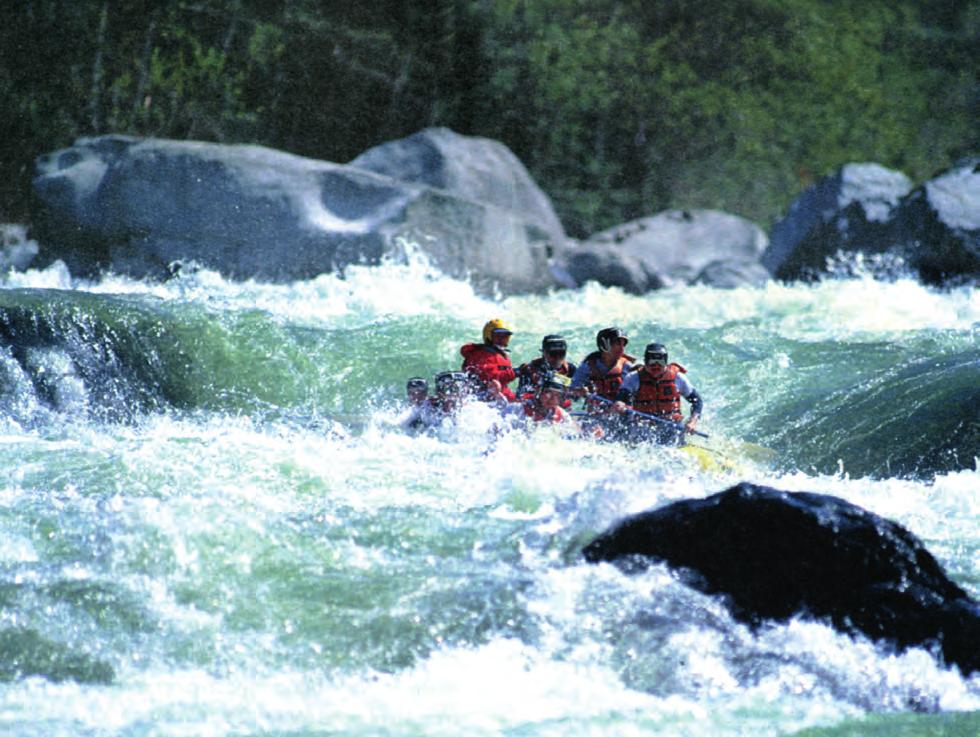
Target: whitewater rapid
{"type": "Point", "coordinates": [246, 545]}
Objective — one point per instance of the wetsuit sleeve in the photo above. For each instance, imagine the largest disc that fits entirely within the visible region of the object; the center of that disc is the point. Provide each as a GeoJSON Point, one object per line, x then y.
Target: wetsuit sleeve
{"type": "Point", "coordinates": [687, 391]}
{"type": "Point", "coordinates": [581, 376]}
{"type": "Point", "coordinates": [696, 404]}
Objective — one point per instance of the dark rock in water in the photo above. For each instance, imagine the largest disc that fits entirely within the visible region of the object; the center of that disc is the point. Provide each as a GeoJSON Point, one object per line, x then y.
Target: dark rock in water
{"type": "Point", "coordinates": [730, 275]}
{"type": "Point", "coordinates": [868, 209]}
{"type": "Point", "coordinates": [774, 555]}
{"type": "Point", "coordinates": [850, 210]}
{"type": "Point", "coordinates": [611, 267]}
{"type": "Point", "coordinates": [138, 205]}
{"type": "Point", "coordinates": [477, 169]}
{"type": "Point", "coordinates": [677, 246]}
{"type": "Point", "coordinates": [83, 354]}
{"type": "Point", "coordinates": [938, 226]}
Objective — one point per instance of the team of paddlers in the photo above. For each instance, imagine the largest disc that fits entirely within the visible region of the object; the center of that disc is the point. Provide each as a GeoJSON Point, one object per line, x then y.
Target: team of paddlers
{"type": "Point", "coordinates": [622, 398]}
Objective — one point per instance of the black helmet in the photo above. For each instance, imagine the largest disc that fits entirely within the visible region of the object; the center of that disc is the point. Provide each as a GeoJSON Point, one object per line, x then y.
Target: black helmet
{"type": "Point", "coordinates": [417, 384]}
{"type": "Point", "coordinates": [451, 382]}
{"type": "Point", "coordinates": [605, 337]}
{"type": "Point", "coordinates": [553, 343]}
{"type": "Point", "coordinates": [655, 351]}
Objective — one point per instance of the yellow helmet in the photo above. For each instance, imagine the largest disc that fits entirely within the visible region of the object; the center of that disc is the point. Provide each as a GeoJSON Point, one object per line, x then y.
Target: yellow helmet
{"type": "Point", "coordinates": [493, 326]}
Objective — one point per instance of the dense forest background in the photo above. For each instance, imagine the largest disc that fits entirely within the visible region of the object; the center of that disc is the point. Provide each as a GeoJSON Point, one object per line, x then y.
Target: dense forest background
{"type": "Point", "coordinates": [619, 108]}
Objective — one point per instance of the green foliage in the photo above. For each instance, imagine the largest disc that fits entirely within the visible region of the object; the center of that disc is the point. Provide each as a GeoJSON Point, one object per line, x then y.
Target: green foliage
{"type": "Point", "coordinates": [620, 108]}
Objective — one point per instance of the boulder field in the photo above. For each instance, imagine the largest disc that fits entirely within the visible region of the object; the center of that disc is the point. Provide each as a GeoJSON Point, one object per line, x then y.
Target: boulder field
{"type": "Point", "coordinates": [139, 206]}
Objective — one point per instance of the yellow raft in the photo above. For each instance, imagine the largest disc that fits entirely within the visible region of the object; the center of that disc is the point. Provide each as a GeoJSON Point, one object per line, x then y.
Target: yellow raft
{"type": "Point", "coordinates": [726, 456]}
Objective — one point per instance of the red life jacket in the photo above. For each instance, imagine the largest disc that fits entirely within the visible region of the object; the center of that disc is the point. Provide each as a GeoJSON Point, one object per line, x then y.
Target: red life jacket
{"type": "Point", "coordinates": [606, 384]}
{"type": "Point", "coordinates": [487, 362]}
{"type": "Point", "coordinates": [658, 394]}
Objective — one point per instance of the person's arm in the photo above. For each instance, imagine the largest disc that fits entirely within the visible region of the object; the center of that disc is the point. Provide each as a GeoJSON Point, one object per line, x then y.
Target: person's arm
{"type": "Point", "coordinates": [504, 374]}
{"type": "Point", "coordinates": [580, 380]}
{"type": "Point", "coordinates": [524, 383]}
{"type": "Point", "coordinates": [627, 390]}
{"type": "Point", "coordinates": [696, 402]}
{"type": "Point", "coordinates": [690, 394]}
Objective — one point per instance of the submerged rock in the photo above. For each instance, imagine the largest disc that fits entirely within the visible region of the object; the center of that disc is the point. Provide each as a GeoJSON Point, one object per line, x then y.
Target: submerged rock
{"type": "Point", "coordinates": [733, 274]}
{"type": "Point", "coordinates": [774, 555]}
{"type": "Point", "coordinates": [136, 206]}
{"type": "Point", "coordinates": [611, 267]}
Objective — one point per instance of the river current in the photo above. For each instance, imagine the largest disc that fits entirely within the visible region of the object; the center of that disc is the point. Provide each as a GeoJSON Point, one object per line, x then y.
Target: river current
{"type": "Point", "coordinates": [209, 524]}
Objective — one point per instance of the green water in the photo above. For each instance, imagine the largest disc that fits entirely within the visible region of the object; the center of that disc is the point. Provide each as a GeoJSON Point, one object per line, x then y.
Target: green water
{"type": "Point", "coordinates": [211, 527]}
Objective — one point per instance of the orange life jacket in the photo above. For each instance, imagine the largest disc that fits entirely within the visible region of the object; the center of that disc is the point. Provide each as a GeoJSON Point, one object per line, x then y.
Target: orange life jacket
{"type": "Point", "coordinates": [606, 384]}
{"type": "Point", "coordinates": [658, 394]}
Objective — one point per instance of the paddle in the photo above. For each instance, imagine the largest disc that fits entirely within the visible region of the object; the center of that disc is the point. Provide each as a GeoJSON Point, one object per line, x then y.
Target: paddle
{"type": "Point", "coordinates": [675, 425]}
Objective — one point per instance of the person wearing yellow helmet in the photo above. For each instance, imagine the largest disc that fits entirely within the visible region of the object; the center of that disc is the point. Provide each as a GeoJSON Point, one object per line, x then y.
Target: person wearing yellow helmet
{"type": "Point", "coordinates": [497, 332]}
{"type": "Point", "coordinates": [489, 361]}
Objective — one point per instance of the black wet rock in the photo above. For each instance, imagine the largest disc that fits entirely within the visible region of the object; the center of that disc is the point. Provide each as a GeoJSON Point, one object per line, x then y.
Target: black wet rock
{"type": "Point", "coordinates": [848, 211]}
{"type": "Point", "coordinates": [774, 555]}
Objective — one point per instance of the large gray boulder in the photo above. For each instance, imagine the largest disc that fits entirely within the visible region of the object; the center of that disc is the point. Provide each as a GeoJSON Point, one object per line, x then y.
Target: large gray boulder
{"type": "Point", "coordinates": [937, 227]}
{"type": "Point", "coordinates": [473, 168]}
{"type": "Point", "coordinates": [138, 205]}
{"type": "Point", "coordinates": [609, 266]}
{"type": "Point", "coordinates": [850, 210]}
{"type": "Point", "coordinates": [678, 247]}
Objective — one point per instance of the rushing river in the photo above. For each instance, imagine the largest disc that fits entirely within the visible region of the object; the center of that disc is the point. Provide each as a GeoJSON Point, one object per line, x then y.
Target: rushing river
{"type": "Point", "coordinates": [210, 527]}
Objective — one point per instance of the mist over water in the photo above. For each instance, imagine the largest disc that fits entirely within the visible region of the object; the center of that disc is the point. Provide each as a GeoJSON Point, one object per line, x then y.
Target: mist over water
{"type": "Point", "coordinates": [210, 525]}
